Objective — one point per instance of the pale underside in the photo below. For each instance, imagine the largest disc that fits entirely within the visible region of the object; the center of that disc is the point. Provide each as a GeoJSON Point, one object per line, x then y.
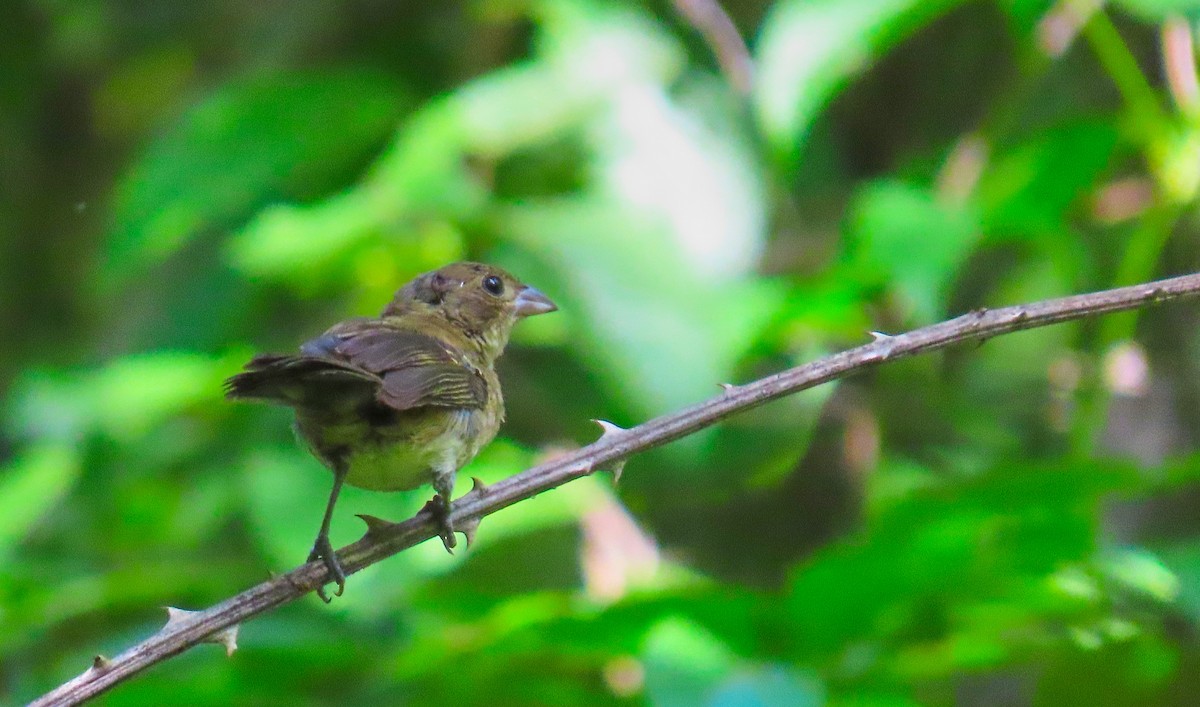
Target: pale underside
{"type": "Point", "coordinates": [378, 461]}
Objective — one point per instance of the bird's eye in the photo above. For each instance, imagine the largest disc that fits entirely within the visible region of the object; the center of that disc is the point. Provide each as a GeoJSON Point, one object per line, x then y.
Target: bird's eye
{"type": "Point", "coordinates": [494, 285]}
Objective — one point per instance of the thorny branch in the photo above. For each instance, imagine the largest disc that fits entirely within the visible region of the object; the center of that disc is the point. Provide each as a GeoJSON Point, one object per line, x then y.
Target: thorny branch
{"type": "Point", "coordinates": [383, 539]}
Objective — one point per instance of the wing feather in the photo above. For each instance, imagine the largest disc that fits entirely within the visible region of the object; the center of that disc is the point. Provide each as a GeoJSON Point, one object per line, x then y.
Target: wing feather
{"type": "Point", "coordinates": [360, 360]}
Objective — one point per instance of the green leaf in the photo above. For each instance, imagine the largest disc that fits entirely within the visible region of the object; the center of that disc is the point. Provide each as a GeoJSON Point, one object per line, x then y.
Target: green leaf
{"type": "Point", "coordinates": [1031, 187]}
{"type": "Point", "coordinates": [427, 174]}
{"type": "Point", "coordinates": [1140, 572]}
{"type": "Point", "coordinates": [252, 141]}
{"type": "Point", "coordinates": [949, 544]}
{"type": "Point", "coordinates": [632, 291]}
{"type": "Point", "coordinates": [1182, 559]}
{"type": "Point", "coordinates": [30, 485]}
{"type": "Point", "coordinates": [1025, 15]}
{"type": "Point", "coordinates": [124, 399]}
{"type": "Point", "coordinates": [900, 234]}
{"type": "Point", "coordinates": [687, 665]}
{"type": "Point", "coordinates": [768, 686]}
{"type": "Point", "coordinates": [1159, 10]}
{"type": "Point", "coordinates": [684, 663]}
{"type": "Point", "coordinates": [809, 49]}
{"type": "Point", "coordinates": [424, 176]}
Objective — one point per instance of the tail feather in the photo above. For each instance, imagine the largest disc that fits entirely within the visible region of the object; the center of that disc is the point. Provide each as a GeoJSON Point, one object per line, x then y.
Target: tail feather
{"type": "Point", "coordinates": [300, 381]}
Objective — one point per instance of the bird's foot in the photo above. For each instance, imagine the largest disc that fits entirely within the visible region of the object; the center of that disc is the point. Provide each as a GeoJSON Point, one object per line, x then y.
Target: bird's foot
{"type": "Point", "coordinates": [439, 506]}
{"type": "Point", "coordinates": [323, 550]}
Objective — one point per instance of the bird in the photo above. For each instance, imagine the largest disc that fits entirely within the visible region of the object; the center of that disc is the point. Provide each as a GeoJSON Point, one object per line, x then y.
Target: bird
{"type": "Point", "coordinates": [404, 399]}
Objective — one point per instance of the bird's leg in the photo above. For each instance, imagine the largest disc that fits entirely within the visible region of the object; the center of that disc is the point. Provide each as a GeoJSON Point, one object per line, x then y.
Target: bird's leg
{"type": "Point", "coordinates": [322, 549]}
{"type": "Point", "coordinates": [443, 483]}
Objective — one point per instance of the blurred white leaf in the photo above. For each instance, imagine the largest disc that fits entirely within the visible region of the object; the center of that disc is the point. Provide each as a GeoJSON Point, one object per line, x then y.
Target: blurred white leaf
{"type": "Point", "coordinates": [657, 158]}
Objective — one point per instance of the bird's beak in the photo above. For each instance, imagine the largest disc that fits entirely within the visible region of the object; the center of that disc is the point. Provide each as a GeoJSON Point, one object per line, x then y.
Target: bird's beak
{"type": "Point", "coordinates": [531, 301]}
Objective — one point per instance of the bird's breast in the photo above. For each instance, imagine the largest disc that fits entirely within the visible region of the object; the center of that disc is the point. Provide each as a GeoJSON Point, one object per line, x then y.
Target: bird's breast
{"type": "Point", "coordinates": [398, 466]}
{"type": "Point", "coordinates": [404, 453]}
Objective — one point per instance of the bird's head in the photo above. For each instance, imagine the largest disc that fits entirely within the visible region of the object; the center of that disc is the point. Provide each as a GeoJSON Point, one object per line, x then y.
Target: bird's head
{"type": "Point", "coordinates": [482, 302]}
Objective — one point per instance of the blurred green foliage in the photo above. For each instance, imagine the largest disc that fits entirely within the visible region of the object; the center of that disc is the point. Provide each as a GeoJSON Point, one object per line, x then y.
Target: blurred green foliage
{"type": "Point", "coordinates": [183, 184]}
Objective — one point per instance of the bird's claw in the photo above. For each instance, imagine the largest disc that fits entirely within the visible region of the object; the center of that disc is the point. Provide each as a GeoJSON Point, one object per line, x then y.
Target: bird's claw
{"type": "Point", "coordinates": [323, 550]}
{"type": "Point", "coordinates": [439, 506]}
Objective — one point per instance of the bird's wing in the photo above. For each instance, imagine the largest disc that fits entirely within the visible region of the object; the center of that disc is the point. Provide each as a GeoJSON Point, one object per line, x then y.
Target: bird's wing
{"type": "Point", "coordinates": [416, 370]}
{"type": "Point", "coordinates": [302, 381]}
{"type": "Point", "coordinates": [361, 360]}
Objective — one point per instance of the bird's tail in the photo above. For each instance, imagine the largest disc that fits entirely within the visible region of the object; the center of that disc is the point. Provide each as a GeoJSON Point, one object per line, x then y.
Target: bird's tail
{"type": "Point", "coordinates": [299, 381]}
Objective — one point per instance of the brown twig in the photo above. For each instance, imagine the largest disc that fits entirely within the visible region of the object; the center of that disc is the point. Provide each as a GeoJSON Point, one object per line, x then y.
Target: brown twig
{"type": "Point", "coordinates": [721, 34]}
{"type": "Point", "coordinates": [385, 539]}
{"type": "Point", "coordinates": [1179, 63]}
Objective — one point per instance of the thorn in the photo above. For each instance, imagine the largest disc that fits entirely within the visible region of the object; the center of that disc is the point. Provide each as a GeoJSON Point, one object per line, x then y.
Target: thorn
{"type": "Point", "coordinates": [229, 639]}
{"type": "Point", "coordinates": [175, 616]}
{"type": "Point", "coordinates": [888, 342]}
{"type": "Point", "coordinates": [468, 528]}
{"type": "Point", "coordinates": [375, 526]}
{"type": "Point", "coordinates": [226, 637]}
{"type": "Point", "coordinates": [979, 311]}
{"type": "Point", "coordinates": [608, 428]}
{"type": "Point", "coordinates": [617, 467]}
{"type": "Point", "coordinates": [478, 487]}
{"type": "Point", "coordinates": [100, 663]}
{"type": "Point", "coordinates": [727, 387]}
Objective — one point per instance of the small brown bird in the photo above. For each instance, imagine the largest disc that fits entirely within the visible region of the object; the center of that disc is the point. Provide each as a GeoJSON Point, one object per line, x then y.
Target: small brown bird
{"type": "Point", "coordinates": [408, 398]}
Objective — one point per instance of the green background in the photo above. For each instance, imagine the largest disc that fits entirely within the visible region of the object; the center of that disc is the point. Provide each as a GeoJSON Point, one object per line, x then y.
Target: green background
{"type": "Point", "coordinates": [1014, 522]}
